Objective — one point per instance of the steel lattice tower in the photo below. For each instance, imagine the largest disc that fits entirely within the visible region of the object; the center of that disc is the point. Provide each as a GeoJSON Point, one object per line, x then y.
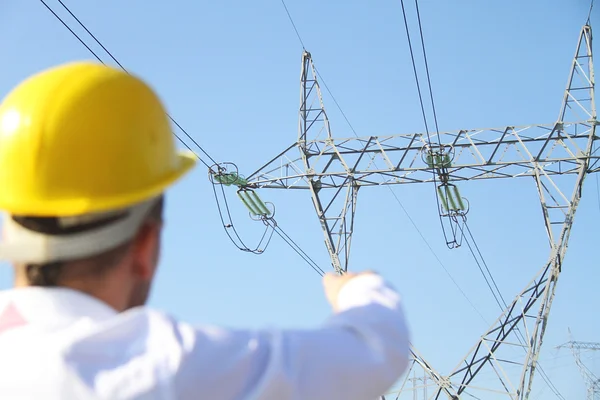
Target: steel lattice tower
{"type": "Point", "coordinates": [556, 157]}
{"type": "Point", "coordinates": [591, 380]}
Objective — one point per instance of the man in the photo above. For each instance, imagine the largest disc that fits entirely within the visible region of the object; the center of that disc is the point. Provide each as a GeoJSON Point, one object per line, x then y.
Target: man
{"type": "Point", "coordinates": [86, 154]}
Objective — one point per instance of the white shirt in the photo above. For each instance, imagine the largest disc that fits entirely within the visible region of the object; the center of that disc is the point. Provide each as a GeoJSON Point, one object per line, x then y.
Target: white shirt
{"type": "Point", "coordinates": [60, 344]}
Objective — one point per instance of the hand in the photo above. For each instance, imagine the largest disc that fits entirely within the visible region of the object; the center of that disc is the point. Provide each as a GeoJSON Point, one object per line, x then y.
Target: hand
{"type": "Point", "coordinates": [333, 283]}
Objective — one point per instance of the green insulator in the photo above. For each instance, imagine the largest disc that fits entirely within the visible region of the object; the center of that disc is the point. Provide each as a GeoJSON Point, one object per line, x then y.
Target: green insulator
{"type": "Point", "coordinates": [248, 205]}
{"type": "Point", "coordinates": [459, 199]}
{"type": "Point", "coordinates": [438, 160]}
{"type": "Point", "coordinates": [429, 160]}
{"type": "Point", "coordinates": [447, 160]}
{"type": "Point", "coordinates": [231, 178]}
{"type": "Point", "coordinates": [451, 199]}
{"type": "Point", "coordinates": [241, 181]}
{"type": "Point", "coordinates": [225, 179]}
{"type": "Point", "coordinates": [260, 205]}
{"type": "Point", "coordinates": [254, 204]}
{"type": "Point", "coordinates": [443, 199]}
{"type": "Point", "coordinates": [255, 207]}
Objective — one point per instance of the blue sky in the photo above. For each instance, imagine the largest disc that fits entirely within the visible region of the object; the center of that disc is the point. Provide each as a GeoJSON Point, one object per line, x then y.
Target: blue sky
{"type": "Point", "coordinates": [229, 73]}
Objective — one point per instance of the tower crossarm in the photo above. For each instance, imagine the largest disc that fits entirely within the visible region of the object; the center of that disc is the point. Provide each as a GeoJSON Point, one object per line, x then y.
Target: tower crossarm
{"type": "Point", "coordinates": [581, 345]}
{"type": "Point", "coordinates": [507, 152]}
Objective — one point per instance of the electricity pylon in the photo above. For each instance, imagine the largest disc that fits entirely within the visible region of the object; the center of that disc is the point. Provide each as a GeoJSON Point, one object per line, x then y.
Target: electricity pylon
{"type": "Point", "coordinates": [591, 380]}
{"type": "Point", "coordinates": [556, 157]}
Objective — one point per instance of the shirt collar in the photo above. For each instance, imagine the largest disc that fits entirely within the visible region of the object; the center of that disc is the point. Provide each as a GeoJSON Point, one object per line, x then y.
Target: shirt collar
{"type": "Point", "coordinates": [47, 303]}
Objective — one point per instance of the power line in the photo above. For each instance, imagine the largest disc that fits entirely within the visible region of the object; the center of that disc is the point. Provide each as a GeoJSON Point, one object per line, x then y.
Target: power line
{"type": "Point", "coordinates": [502, 304]}
{"type": "Point", "coordinates": [414, 66]}
{"type": "Point", "coordinates": [293, 24]}
{"type": "Point", "coordinates": [92, 35]}
{"type": "Point", "coordinates": [335, 101]}
{"type": "Point", "coordinates": [286, 238]}
{"type": "Point", "coordinates": [436, 257]}
{"type": "Point", "coordinates": [71, 30]}
{"type": "Point", "coordinates": [125, 70]}
{"type": "Point", "coordinates": [437, 129]}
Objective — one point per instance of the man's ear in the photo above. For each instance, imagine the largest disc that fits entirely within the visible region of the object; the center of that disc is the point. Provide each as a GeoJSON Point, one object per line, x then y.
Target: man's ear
{"type": "Point", "coordinates": [146, 249]}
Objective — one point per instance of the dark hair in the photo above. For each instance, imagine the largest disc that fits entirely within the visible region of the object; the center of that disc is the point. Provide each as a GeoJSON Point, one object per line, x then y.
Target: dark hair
{"type": "Point", "coordinates": [43, 274]}
{"type": "Point", "coordinates": [49, 274]}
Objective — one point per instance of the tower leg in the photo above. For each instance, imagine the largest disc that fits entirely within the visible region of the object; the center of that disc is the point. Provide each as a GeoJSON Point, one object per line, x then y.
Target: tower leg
{"type": "Point", "coordinates": [338, 228]}
{"type": "Point", "coordinates": [517, 327]}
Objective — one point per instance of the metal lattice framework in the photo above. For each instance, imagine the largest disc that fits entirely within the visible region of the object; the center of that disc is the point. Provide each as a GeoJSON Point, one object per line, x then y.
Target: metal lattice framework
{"type": "Point", "coordinates": [591, 380]}
{"type": "Point", "coordinates": [556, 156]}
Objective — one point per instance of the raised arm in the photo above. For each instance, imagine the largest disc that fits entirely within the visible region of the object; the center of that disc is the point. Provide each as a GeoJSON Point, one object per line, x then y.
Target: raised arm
{"type": "Point", "coordinates": [358, 353]}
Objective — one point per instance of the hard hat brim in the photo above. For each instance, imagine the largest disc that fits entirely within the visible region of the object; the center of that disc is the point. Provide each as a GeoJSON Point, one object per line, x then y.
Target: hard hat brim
{"type": "Point", "coordinates": [22, 245]}
{"type": "Point", "coordinates": [186, 160]}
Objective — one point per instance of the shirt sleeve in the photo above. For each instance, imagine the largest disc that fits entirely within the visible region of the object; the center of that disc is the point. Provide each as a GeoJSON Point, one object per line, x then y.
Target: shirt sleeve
{"type": "Point", "coordinates": [356, 355]}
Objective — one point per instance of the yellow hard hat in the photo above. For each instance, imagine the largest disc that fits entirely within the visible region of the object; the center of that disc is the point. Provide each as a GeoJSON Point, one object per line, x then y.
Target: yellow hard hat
{"type": "Point", "coordinates": [81, 138]}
